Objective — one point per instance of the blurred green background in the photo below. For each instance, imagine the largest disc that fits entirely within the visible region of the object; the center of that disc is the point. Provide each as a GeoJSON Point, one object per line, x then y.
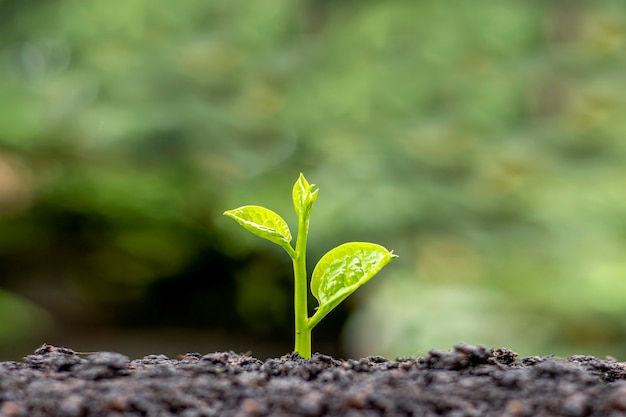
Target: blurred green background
{"type": "Point", "coordinates": [484, 142]}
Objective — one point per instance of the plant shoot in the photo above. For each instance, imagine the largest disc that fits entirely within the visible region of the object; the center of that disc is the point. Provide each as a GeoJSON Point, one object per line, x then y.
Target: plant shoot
{"type": "Point", "coordinates": [337, 275]}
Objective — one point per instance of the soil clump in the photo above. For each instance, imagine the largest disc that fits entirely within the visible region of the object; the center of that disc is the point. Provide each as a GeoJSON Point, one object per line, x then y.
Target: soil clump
{"type": "Point", "coordinates": [468, 381]}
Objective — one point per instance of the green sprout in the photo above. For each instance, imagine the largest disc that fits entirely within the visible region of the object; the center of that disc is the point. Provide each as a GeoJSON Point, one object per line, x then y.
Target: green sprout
{"type": "Point", "coordinates": [337, 274]}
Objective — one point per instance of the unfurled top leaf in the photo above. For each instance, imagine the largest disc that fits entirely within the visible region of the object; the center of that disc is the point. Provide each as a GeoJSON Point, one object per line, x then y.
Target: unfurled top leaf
{"type": "Point", "coordinates": [344, 269]}
{"type": "Point", "coordinates": [263, 223]}
{"type": "Point", "coordinates": [303, 197]}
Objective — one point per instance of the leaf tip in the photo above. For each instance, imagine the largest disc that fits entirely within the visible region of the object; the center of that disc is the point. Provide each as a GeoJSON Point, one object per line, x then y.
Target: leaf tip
{"type": "Point", "coordinates": [230, 213]}
{"type": "Point", "coordinates": [314, 193]}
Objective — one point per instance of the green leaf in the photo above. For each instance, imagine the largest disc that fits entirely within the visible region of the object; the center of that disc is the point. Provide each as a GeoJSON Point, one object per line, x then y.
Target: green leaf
{"type": "Point", "coordinates": [263, 223]}
{"type": "Point", "coordinates": [344, 269]}
{"type": "Point", "coordinates": [303, 197]}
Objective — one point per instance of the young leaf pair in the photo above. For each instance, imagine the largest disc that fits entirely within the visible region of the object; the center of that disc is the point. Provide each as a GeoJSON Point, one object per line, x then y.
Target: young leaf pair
{"type": "Point", "coordinates": [337, 274]}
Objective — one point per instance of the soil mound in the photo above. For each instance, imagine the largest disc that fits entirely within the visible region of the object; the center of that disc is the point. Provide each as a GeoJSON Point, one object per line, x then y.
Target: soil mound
{"type": "Point", "coordinates": [469, 381]}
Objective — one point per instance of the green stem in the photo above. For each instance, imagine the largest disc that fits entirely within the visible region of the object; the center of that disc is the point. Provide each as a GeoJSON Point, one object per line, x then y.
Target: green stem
{"type": "Point", "coordinates": [303, 332]}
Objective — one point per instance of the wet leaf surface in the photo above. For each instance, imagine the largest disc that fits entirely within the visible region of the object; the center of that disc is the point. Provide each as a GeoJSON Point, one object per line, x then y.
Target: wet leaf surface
{"type": "Point", "coordinates": [262, 222]}
{"type": "Point", "coordinates": [345, 268]}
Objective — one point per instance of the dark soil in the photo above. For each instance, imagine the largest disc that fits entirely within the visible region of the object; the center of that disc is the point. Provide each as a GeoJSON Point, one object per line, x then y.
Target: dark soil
{"type": "Point", "coordinates": [468, 381]}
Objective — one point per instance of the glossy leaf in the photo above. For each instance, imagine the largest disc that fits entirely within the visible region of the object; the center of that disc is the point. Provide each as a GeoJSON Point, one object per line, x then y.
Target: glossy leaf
{"type": "Point", "coordinates": [263, 223]}
{"type": "Point", "coordinates": [344, 269]}
{"type": "Point", "coordinates": [303, 197]}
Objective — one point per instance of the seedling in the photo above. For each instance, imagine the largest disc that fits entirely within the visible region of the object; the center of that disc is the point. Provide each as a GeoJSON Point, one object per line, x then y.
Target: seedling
{"type": "Point", "coordinates": [337, 274]}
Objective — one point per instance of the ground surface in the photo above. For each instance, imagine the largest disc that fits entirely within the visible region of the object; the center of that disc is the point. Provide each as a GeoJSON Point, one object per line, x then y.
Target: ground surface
{"type": "Point", "coordinates": [468, 381]}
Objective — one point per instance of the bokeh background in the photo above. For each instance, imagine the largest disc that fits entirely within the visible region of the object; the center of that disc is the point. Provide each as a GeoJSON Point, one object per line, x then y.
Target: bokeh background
{"type": "Point", "coordinates": [484, 142]}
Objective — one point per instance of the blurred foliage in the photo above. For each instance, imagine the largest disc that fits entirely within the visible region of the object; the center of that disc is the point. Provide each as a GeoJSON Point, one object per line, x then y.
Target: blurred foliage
{"type": "Point", "coordinates": [18, 316]}
{"type": "Point", "coordinates": [483, 141]}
